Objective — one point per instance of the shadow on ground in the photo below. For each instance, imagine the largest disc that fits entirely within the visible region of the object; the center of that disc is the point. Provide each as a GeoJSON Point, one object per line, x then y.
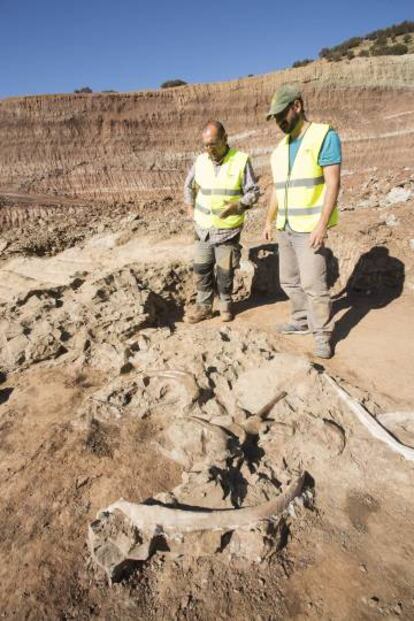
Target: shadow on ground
{"type": "Point", "coordinates": [265, 287]}
{"type": "Point", "coordinates": [376, 280]}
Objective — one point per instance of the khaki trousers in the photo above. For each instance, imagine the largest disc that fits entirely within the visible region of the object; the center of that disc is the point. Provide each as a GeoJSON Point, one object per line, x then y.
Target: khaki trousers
{"type": "Point", "coordinates": [302, 273]}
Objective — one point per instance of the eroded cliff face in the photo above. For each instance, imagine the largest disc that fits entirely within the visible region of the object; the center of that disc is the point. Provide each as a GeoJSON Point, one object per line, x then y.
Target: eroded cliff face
{"type": "Point", "coordinates": [136, 146]}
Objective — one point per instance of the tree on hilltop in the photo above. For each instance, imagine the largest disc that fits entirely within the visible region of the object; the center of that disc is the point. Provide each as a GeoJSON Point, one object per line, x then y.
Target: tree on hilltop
{"type": "Point", "coordinates": [84, 89]}
{"type": "Point", "coordinates": [173, 83]}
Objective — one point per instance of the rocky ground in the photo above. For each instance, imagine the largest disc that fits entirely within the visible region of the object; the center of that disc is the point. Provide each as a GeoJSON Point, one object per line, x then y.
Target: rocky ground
{"type": "Point", "coordinates": [252, 489]}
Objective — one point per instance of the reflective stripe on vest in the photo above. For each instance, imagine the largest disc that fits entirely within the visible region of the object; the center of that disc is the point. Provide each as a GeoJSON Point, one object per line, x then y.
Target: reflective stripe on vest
{"type": "Point", "coordinates": [300, 194]}
{"type": "Point", "coordinates": [217, 191]}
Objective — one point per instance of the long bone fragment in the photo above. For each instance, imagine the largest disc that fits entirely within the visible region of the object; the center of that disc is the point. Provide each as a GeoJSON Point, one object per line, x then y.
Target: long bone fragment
{"type": "Point", "coordinates": [373, 426]}
{"type": "Point", "coordinates": [150, 517]}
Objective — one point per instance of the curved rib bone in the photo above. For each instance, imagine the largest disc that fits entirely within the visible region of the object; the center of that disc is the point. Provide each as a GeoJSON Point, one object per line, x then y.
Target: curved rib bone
{"type": "Point", "coordinates": [149, 517]}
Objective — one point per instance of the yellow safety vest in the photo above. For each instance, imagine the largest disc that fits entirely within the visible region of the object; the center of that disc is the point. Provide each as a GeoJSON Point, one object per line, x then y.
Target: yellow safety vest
{"type": "Point", "coordinates": [301, 193]}
{"type": "Point", "coordinates": [216, 190]}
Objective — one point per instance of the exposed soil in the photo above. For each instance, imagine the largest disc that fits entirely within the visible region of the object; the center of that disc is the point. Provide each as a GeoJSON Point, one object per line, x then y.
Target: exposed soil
{"type": "Point", "coordinates": [81, 427]}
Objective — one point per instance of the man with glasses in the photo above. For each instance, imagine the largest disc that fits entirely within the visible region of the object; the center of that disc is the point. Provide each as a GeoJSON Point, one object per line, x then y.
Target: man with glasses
{"type": "Point", "coordinates": [306, 173]}
{"type": "Point", "coordinates": [219, 188]}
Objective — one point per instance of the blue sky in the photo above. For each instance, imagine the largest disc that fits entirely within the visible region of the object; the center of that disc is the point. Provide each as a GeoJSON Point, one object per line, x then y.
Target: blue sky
{"type": "Point", "coordinates": [56, 46]}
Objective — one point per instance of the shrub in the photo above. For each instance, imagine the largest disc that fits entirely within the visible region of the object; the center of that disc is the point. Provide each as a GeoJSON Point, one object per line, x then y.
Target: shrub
{"type": "Point", "coordinates": [350, 54]}
{"type": "Point", "coordinates": [389, 50]}
{"type": "Point", "coordinates": [398, 49]}
{"type": "Point", "coordinates": [354, 42]}
{"type": "Point", "coordinates": [396, 29]}
{"type": "Point", "coordinates": [173, 83]}
{"type": "Point", "coordinates": [407, 38]}
{"type": "Point", "coordinates": [336, 56]}
{"type": "Point", "coordinates": [379, 50]}
{"type": "Point", "coordinates": [364, 53]}
{"type": "Point", "coordinates": [381, 41]}
{"type": "Point", "coordinates": [302, 63]}
{"type": "Point", "coordinates": [379, 37]}
{"type": "Point", "coordinates": [84, 89]}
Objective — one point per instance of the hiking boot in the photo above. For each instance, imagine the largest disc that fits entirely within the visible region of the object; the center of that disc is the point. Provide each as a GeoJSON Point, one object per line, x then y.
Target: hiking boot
{"type": "Point", "coordinates": [323, 348]}
{"type": "Point", "coordinates": [198, 313]}
{"type": "Point", "coordinates": [292, 328]}
{"type": "Point", "coordinates": [226, 315]}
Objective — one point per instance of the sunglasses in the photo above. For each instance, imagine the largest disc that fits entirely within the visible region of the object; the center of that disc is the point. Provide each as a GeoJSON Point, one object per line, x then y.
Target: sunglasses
{"type": "Point", "coordinates": [281, 116]}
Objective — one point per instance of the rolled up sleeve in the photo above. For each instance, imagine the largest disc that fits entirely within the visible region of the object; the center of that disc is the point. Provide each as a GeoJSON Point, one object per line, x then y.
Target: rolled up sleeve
{"type": "Point", "coordinates": [190, 187]}
{"type": "Point", "coordinates": [251, 191]}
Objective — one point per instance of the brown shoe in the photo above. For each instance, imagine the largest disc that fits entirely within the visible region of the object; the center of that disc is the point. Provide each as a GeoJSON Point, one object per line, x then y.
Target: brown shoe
{"type": "Point", "coordinates": [226, 315]}
{"type": "Point", "coordinates": [198, 313]}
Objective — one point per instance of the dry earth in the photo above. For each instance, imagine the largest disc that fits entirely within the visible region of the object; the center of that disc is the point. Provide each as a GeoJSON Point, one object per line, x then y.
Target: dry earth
{"type": "Point", "coordinates": [106, 394]}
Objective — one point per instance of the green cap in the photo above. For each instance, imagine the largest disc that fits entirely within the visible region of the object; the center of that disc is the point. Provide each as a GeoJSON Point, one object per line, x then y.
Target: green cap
{"type": "Point", "coordinates": [282, 98]}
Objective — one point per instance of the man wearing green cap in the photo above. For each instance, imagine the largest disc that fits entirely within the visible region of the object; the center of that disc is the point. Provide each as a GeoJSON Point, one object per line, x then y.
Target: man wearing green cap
{"type": "Point", "coordinates": [306, 174]}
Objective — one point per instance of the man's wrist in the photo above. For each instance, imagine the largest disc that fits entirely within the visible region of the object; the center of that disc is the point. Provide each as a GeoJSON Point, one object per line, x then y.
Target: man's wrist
{"type": "Point", "coordinates": [241, 208]}
{"type": "Point", "coordinates": [322, 224]}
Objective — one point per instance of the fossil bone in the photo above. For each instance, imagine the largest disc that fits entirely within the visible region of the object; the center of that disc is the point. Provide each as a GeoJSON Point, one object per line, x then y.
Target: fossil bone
{"type": "Point", "coordinates": [373, 426]}
{"type": "Point", "coordinates": [186, 379]}
{"type": "Point", "coordinates": [149, 517]}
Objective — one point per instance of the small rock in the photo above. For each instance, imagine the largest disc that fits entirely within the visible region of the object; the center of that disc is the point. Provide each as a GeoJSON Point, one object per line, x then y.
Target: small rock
{"type": "Point", "coordinates": [391, 220]}
{"type": "Point", "coordinates": [368, 203]}
{"type": "Point", "coordinates": [81, 480]}
{"type": "Point", "coordinates": [397, 609]}
{"type": "Point", "coordinates": [398, 195]}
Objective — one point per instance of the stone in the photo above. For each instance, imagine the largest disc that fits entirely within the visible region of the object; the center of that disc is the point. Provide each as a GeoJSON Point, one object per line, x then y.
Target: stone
{"type": "Point", "coordinates": [392, 220]}
{"type": "Point", "coordinates": [398, 195]}
{"type": "Point", "coordinates": [116, 545]}
{"type": "Point", "coordinates": [255, 388]}
{"type": "Point", "coordinates": [243, 279]}
{"type": "Point", "coordinates": [194, 443]}
{"type": "Point", "coordinates": [253, 545]}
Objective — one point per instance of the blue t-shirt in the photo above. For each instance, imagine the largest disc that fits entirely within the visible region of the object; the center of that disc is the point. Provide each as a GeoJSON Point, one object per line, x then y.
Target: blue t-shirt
{"type": "Point", "coordinates": [329, 154]}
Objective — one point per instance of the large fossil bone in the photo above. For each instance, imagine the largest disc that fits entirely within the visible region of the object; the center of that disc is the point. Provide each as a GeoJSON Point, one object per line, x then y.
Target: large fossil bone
{"type": "Point", "coordinates": [370, 423]}
{"type": "Point", "coordinates": [129, 533]}
{"type": "Point", "coordinates": [150, 516]}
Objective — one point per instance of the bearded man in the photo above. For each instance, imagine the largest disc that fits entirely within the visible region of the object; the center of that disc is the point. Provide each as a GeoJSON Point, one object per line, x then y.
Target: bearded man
{"type": "Point", "coordinates": [306, 174]}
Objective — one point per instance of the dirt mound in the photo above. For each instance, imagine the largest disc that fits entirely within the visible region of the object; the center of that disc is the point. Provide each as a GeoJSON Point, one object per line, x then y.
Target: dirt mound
{"type": "Point", "coordinates": [94, 320]}
{"type": "Point", "coordinates": [114, 397]}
